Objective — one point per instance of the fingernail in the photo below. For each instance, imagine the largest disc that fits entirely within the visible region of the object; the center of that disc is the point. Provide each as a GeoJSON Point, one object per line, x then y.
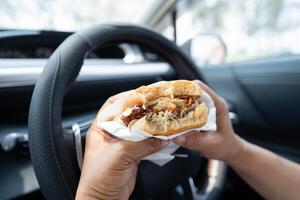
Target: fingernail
{"type": "Point", "coordinates": [164, 143]}
{"type": "Point", "coordinates": [180, 139]}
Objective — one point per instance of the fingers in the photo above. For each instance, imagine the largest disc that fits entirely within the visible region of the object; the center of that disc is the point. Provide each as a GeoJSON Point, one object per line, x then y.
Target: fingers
{"type": "Point", "coordinates": [139, 150]}
{"type": "Point", "coordinates": [220, 103]}
{"type": "Point", "coordinates": [101, 133]}
{"type": "Point", "coordinates": [195, 140]}
{"type": "Point", "coordinates": [208, 90]}
{"type": "Point", "coordinates": [134, 150]}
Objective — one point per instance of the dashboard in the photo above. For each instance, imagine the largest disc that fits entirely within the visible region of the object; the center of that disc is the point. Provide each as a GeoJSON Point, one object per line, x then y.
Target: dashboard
{"type": "Point", "coordinates": [46, 52]}
{"type": "Point", "coordinates": [41, 44]}
{"type": "Point", "coordinates": [40, 52]}
{"type": "Point", "coordinates": [29, 44]}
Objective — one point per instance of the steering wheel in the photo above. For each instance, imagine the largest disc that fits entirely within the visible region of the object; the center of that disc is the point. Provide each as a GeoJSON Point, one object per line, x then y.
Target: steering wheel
{"type": "Point", "coordinates": [56, 152]}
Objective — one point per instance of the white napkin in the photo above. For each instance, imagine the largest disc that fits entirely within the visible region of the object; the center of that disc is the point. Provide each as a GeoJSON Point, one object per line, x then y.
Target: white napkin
{"type": "Point", "coordinates": [135, 135]}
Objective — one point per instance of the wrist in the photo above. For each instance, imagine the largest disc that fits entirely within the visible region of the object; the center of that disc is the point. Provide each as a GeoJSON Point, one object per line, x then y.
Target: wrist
{"type": "Point", "coordinates": [85, 196]}
{"type": "Point", "coordinates": [89, 192]}
{"type": "Point", "coordinates": [237, 151]}
{"type": "Point", "coordinates": [86, 193]}
{"type": "Point", "coordinates": [82, 193]}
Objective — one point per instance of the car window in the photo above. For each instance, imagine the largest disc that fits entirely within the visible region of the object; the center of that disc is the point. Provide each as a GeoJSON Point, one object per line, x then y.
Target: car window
{"type": "Point", "coordinates": [70, 15]}
{"type": "Point", "coordinates": [250, 29]}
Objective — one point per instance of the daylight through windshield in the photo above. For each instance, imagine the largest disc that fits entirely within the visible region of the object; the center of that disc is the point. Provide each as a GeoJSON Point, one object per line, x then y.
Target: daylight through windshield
{"type": "Point", "coordinates": [69, 14]}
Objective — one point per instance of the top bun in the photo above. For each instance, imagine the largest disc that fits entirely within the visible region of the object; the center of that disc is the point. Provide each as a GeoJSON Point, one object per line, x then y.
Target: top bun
{"type": "Point", "coordinates": [151, 92]}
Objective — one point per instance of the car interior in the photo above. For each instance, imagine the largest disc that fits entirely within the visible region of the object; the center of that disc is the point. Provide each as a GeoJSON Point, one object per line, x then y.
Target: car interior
{"type": "Point", "coordinates": [61, 60]}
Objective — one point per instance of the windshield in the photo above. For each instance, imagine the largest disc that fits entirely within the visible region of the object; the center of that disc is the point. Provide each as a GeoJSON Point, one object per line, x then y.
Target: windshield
{"type": "Point", "coordinates": [70, 15]}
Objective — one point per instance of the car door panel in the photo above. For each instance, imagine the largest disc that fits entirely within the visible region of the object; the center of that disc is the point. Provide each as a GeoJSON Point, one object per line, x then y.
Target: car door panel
{"type": "Point", "coordinates": [274, 87]}
{"type": "Point", "coordinates": [265, 95]}
{"type": "Point", "coordinates": [223, 81]}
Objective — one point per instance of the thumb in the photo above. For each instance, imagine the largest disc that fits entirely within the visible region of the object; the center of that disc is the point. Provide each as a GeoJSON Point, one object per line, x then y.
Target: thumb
{"type": "Point", "coordinates": [195, 140]}
{"type": "Point", "coordinates": [139, 150]}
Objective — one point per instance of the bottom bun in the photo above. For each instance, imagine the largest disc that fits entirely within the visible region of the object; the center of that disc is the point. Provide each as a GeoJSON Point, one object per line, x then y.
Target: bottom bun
{"type": "Point", "coordinates": [164, 126]}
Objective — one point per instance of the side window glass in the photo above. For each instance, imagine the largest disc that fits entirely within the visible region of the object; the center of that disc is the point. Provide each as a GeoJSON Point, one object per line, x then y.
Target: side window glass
{"type": "Point", "coordinates": [250, 30]}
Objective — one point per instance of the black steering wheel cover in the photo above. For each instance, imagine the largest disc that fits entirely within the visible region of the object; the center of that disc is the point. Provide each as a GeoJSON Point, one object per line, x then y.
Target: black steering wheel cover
{"type": "Point", "coordinates": [55, 170]}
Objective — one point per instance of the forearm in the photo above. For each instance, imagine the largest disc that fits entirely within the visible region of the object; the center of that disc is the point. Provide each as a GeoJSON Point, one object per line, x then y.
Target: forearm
{"type": "Point", "coordinates": [270, 175]}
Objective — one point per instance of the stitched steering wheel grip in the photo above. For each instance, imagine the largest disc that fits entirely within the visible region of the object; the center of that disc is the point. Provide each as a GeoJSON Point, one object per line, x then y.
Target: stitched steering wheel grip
{"type": "Point", "coordinates": [52, 147]}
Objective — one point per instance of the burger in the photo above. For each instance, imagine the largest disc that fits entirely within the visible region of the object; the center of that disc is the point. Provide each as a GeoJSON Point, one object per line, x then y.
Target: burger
{"type": "Point", "coordinates": [165, 108]}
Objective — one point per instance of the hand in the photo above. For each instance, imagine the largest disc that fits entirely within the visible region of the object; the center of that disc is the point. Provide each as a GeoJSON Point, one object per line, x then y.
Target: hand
{"type": "Point", "coordinates": [110, 165]}
{"type": "Point", "coordinates": [221, 145]}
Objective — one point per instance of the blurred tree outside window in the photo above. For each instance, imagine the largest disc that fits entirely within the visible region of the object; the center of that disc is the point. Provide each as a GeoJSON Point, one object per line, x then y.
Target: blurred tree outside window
{"type": "Point", "coordinates": [250, 29]}
{"type": "Point", "coordinates": [69, 15]}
